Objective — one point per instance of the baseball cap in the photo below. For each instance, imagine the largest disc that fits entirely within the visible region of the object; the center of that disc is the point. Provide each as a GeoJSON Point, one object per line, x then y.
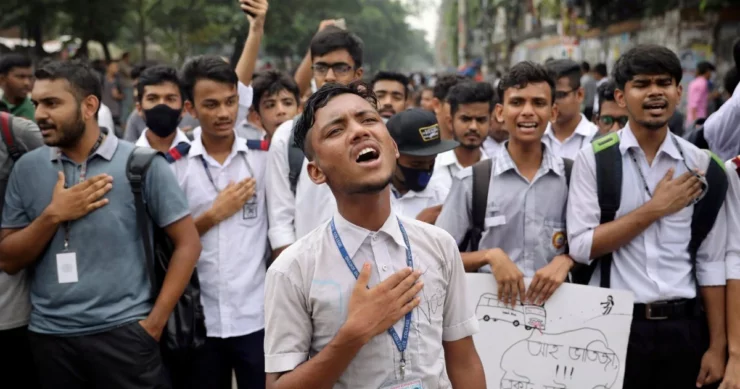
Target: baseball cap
{"type": "Point", "coordinates": [416, 133]}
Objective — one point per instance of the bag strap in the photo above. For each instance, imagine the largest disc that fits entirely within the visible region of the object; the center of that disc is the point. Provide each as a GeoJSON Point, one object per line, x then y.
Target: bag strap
{"type": "Point", "coordinates": [568, 166]}
{"type": "Point", "coordinates": [136, 167]}
{"type": "Point", "coordinates": [706, 210]}
{"type": "Point", "coordinates": [609, 192]}
{"type": "Point", "coordinates": [6, 127]}
{"type": "Point", "coordinates": [295, 163]}
{"type": "Point", "coordinates": [481, 179]}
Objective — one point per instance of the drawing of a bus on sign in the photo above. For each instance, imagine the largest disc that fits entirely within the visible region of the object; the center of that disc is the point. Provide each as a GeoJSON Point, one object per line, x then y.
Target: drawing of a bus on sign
{"type": "Point", "coordinates": [489, 308]}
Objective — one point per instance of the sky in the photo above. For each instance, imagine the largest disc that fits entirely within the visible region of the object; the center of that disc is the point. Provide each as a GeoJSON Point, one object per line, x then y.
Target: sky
{"type": "Point", "coordinates": [427, 20]}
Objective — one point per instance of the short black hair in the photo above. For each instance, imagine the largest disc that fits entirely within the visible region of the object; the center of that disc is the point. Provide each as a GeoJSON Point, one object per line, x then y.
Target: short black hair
{"type": "Point", "coordinates": [647, 60]}
{"type": "Point", "coordinates": [83, 79]}
{"type": "Point", "coordinates": [444, 83]}
{"type": "Point", "coordinates": [470, 92]}
{"type": "Point", "coordinates": [137, 69]}
{"type": "Point", "coordinates": [206, 67]}
{"type": "Point", "coordinates": [731, 80]}
{"type": "Point", "coordinates": [560, 68]}
{"type": "Point", "coordinates": [524, 73]}
{"type": "Point", "coordinates": [605, 92]}
{"type": "Point", "coordinates": [334, 38]}
{"type": "Point", "coordinates": [585, 66]}
{"type": "Point", "coordinates": [736, 54]}
{"type": "Point", "coordinates": [13, 60]}
{"type": "Point", "coordinates": [703, 67]}
{"type": "Point", "coordinates": [319, 100]}
{"type": "Point", "coordinates": [271, 82]}
{"type": "Point", "coordinates": [600, 69]}
{"type": "Point", "coordinates": [392, 76]}
{"type": "Point", "coordinates": [157, 75]}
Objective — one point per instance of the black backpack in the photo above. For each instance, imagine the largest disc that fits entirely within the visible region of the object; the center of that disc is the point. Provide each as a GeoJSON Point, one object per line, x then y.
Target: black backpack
{"type": "Point", "coordinates": [186, 328]}
{"type": "Point", "coordinates": [609, 191]}
{"type": "Point", "coordinates": [481, 179]}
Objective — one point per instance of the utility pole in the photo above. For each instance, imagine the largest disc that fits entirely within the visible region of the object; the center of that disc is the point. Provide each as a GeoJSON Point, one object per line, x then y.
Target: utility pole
{"type": "Point", "coordinates": [462, 32]}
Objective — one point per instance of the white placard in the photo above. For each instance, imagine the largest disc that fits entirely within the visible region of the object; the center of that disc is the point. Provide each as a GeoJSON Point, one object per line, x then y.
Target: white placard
{"type": "Point", "coordinates": [576, 340]}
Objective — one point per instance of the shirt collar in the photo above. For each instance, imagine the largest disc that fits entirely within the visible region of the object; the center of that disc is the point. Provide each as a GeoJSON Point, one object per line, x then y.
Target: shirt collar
{"type": "Point", "coordinates": [550, 162]}
{"type": "Point", "coordinates": [449, 158]}
{"type": "Point", "coordinates": [628, 141]}
{"type": "Point", "coordinates": [353, 236]}
{"type": "Point", "coordinates": [583, 129]}
{"type": "Point", "coordinates": [197, 149]}
{"type": "Point", "coordinates": [106, 149]}
{"type": "Point", "coordinates": [179, 138]}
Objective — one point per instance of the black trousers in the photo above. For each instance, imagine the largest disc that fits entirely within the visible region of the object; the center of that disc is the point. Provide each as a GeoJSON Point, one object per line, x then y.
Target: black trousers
{"type": "Point", "coordinates": [243, 354]}
{"type": "Point", "coordinates": [665, 354]}
{"type": "Point", "coordinates": [16, 361]}
{"type": "Point", "coordinates": [126, 357]}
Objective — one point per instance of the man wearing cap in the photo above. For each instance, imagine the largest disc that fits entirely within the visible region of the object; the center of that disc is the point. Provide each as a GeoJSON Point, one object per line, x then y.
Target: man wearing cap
{"type": "Point", "coordinates": [417, 136]}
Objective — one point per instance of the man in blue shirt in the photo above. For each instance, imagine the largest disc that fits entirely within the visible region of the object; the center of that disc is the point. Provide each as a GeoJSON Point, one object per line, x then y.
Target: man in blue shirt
{"type": "Point", "coordinates": [94, 321]}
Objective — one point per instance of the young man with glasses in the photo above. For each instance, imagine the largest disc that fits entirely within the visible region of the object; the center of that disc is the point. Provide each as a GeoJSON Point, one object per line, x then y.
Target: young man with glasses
{"type": "Point", "coordinates": [298, 205]}
{"type": "Point", "coordinates": [570, 130]}
{"type": "Point", "coordinates": [612, 117]}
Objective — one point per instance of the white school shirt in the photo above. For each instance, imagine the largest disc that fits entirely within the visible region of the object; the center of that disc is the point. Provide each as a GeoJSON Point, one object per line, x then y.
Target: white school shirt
{"type": "Point", "coordinates": [446, 166]}
{"type": "Point", "coordinates": [732, 204]}
{"type": "Point", "coordinates": [292, 216]}
{"type": "Point", "coordinates": [491, 147]}
{"type": "Point", "coordinates": [232, 265]}
{"type": "Point", "coordinates": [412, 203]}
{"type": "Point", "coordinates": [581, 137]}
{"type": "Point", "coordinates": [655, 266]}
{"type": "Point", "coordinates": [179, 138]}
{"type": "Point", "coordinates": [308, 289]}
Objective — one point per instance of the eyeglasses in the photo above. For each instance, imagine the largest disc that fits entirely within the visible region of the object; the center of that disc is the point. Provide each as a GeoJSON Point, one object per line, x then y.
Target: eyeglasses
{"type": "Point", "coordinates": [339, 69]}
{"type": "Point", "coordinates": [561, 94]}
{"type": "Point", "coordinates": [608, 120]}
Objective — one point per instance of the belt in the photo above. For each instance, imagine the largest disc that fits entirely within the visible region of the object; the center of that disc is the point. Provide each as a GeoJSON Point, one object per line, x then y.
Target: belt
{"type": "Point", "coordinates": [665, 310]}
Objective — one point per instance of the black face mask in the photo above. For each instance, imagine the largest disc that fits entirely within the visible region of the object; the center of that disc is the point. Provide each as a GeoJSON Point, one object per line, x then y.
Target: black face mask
{"type": "Point", "coordinates": [416, 179]}
{"type": "Point", "coordinates": [162, 120]}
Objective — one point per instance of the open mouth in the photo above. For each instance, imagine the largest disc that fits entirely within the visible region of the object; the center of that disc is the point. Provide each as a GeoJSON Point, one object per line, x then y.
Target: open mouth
{"type": "Point", "coordinates": [387, 113]}
{"type": "Point", "coordinates": [367, 154]}
{"type": "Point", "coordinates": [655, 108]}
{"type": "Point", "coordinates": [527, 127]}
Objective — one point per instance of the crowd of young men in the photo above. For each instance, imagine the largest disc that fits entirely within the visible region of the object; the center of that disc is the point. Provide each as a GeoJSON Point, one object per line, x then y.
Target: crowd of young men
{"type": "Point", "coordinates": [331, 239]}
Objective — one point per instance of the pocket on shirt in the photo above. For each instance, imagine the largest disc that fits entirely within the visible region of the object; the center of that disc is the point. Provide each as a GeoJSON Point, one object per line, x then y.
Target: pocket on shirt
{"type": "Point", "coordinates": [672, 227]}
{"type": "Point", "coordinates": [554, 238]}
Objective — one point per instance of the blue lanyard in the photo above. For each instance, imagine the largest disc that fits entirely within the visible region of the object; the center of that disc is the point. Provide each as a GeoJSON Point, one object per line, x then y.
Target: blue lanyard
{"type": "Point", "coordinates": [401, 343]}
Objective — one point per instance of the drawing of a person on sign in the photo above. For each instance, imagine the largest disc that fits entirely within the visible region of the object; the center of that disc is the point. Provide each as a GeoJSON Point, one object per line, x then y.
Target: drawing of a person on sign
{"type": "Point", "coordinates": [608, 304]}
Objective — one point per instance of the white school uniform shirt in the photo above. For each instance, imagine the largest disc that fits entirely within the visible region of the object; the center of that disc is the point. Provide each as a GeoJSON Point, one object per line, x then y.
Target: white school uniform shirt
{"type": "Point", "coordinates": [232, 265]}
{"type": "Point", "coordinates": [179, 138]}
{"type": "Point", "coordinates": [412, 203]}
{"type": "Point", "coordinates": [105, 118]}
{"type": "Point", "coordinates": [732, 204]}
{"type": "Point", "coordinates": [655, 266]}
{"type": "Point", "coordinates": [308, 289]}
{"type": "Point", "coordinates": [491, 147]}
{"type": "Point", "coordinates": [292, 216]}
{"type": "Point", "coordinates": [446, 166]}
{"type": "Point", "coordinates": [569, 148]}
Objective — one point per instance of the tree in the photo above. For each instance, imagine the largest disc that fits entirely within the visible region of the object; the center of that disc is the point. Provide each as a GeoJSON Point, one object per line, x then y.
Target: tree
{"type": "Point", "coordinates": [95, 20]}
{"type": "Point", "coordinates": [35, 17]}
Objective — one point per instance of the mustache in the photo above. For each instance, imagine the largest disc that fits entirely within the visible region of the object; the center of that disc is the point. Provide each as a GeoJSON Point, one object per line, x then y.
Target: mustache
{"type": "Point", "coordinates": [472, 132]}
{"type": "Point", "coordinates": [45, 124]}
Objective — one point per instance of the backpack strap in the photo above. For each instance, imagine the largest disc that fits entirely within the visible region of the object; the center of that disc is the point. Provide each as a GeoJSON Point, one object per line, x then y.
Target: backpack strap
{"type": "Point", "coordinates": [568, 166]}
{"type": "Point", "coordinates": [609, 192]}
{"type": "Point", "coordinates": [176, 153]}
{"type": "Point", "coordinates": [136, 167]}
{"type": "Point", "coordinates": [262, 145]}
{"type": "Point", "coordinates": [6, 127]}
{"type": "Point", "coordinates": [706, 210]}
{"type": "Point", "coordinates": [295, 162]}
{"type": "Point", "coordinates": [481, 179]}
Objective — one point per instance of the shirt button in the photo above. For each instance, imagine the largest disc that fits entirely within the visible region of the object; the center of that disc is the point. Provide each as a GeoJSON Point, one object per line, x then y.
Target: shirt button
{"type": "Point", "coordinates": [385, 268]}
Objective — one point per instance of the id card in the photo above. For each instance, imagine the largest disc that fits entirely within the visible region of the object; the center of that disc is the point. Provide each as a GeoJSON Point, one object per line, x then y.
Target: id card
{"type": "Point", "coordinates": [250, 209]}
{"type": "Point", "coordinates": [67, 267]}
{"type": "Point", "coordinates": [415, 384]}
